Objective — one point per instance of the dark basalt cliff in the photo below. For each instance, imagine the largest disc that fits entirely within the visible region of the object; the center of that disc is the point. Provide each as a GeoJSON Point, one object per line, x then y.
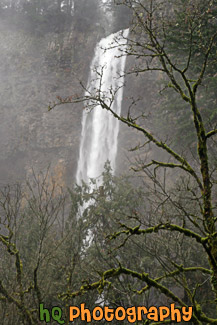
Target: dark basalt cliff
{"type": "Point", "coordinates": [34, 70]}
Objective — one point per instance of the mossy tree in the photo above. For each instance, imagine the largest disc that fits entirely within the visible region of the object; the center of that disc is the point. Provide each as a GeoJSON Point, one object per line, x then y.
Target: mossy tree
{"type": "Point", "coordinates": [187, 208]}
{"type": "Point", "coordinates": [41, 242]}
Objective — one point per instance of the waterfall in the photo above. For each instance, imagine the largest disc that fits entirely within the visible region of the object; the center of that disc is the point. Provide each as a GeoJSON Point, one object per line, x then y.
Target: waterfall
{"type": "Point", "coordinates": [99, 136]}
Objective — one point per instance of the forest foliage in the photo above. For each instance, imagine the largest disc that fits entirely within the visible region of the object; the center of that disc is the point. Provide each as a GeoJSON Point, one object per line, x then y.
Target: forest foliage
{"type": "Point", "coordinates": [150, 241]}
{"type": "Point", "coordinates": [43, 16]}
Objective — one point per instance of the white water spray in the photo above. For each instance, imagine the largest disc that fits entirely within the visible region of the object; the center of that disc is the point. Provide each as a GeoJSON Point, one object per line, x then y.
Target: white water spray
{"type": "Point", "coordinates": [99, 137]}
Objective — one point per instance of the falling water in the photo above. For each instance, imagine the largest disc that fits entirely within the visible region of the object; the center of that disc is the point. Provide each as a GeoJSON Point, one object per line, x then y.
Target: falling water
{"type": "Point", "coordinates": [99, 137]}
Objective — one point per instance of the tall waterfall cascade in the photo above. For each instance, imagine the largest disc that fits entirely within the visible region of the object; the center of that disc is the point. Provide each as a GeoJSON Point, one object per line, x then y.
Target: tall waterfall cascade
{"type": "Point", "coordinates": [99, 136]}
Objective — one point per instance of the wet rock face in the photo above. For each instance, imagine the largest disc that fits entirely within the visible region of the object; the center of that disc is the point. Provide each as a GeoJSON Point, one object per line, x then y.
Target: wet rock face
{"type": "Point", "coordinates": [33, 71]}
